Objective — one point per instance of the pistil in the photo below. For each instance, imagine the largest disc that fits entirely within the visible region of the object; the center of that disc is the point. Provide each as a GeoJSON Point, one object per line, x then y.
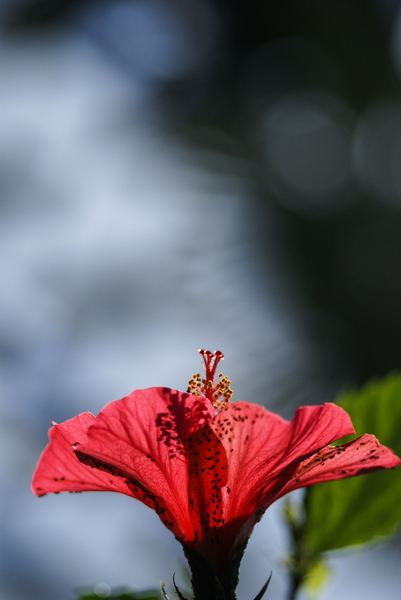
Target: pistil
{"type": "Point", "coordinates": [216, 389]}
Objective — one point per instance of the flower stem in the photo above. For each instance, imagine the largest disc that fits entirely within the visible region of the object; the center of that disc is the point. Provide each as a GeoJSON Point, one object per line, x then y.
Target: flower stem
{"type": "Point", "coordinates": [295, 584]}
{"type": "Point", "coordinates": [302, 559]}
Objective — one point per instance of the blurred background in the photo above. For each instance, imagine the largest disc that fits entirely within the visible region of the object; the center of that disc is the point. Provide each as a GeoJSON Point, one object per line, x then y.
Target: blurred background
{"type": "Point", "coordinates": [178, 174]}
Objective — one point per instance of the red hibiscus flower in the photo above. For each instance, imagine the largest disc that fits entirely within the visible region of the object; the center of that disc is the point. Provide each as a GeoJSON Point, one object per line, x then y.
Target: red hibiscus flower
{"type": "Point", "coordinates": [208, 467]}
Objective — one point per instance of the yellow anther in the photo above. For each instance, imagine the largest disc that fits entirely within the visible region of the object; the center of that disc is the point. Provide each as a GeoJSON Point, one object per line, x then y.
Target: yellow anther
{"type": "Point", "coordinates": [216, 389]}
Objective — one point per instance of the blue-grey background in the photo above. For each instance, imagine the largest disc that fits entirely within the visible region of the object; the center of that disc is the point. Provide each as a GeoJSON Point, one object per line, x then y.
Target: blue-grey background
{"type": "Point", "coordinates": [184, 174]}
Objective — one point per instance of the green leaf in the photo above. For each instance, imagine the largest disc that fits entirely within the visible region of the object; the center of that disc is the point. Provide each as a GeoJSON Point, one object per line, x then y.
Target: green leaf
{"type": "Point", "coordinates": [356, 510]}
{"type": "Point", "coordinates": [119, 594]}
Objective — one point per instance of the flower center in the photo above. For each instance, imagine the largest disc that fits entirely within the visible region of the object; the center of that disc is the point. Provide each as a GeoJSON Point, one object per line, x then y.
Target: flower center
{"type": "Point", "coordinates": [214, 388]}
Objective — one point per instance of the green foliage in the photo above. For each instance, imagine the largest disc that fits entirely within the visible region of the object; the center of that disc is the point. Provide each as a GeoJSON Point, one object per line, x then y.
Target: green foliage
{"type": "Point", "coordinates": [317, 576]}
{"type": "Point", "coordinates": [119, 594]}
{"type": "Point", "coordinates": [356, 510]}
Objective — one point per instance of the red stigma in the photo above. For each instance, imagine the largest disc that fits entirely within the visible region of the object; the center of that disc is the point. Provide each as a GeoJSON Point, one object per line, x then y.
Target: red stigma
{"type": "Point", "coordinates": [211, 360]}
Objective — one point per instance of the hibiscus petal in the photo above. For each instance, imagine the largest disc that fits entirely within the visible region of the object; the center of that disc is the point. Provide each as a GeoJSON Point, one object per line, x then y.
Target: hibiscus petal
{"type": "Point", "coordinates": [144, 437]}
{"type": "Point", "coordinates": [59, 470]}
{"type": "Point", "coordinates": [207, 475]}
{"type": "Point", "coordinates": [362, 455]}
{"type": "Point", "coordinates": [260, 445]}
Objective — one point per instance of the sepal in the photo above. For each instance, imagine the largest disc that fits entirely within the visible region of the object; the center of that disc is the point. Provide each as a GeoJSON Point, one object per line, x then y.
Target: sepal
{"type": "Point", "coordinates": [264, 588]}
{"type": "Point", "coordinates": [209, 585]}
